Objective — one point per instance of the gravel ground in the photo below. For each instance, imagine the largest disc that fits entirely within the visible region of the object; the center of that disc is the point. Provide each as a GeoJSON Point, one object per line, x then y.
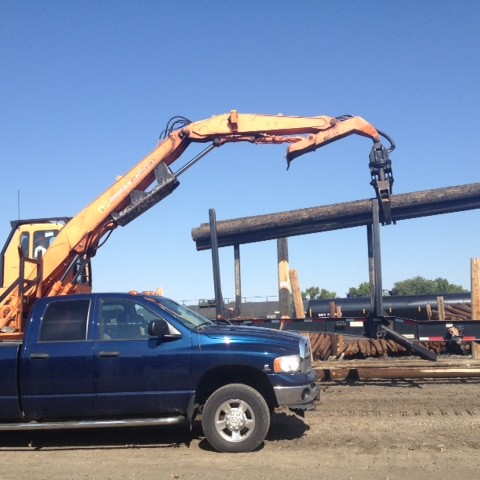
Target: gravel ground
{"type": "Point", "coordinates": [361, 430]}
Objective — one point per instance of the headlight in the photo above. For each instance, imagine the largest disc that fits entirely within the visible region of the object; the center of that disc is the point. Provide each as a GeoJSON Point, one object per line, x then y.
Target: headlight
{"type": "Point", "coordinates": [288, 364]}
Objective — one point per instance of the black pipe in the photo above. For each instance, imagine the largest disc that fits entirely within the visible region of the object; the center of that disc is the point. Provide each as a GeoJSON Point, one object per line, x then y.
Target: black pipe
{"type": "Point", "coordinates": [408, 306]}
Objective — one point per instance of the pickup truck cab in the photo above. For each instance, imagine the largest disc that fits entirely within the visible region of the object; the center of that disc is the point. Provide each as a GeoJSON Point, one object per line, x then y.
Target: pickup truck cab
{"type": "Point", "coordinates": [100, 360]}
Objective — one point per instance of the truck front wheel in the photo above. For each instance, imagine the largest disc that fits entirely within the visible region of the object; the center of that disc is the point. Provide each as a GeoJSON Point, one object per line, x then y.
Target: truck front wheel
{"type": "Point", "coordinates": [235, 418]}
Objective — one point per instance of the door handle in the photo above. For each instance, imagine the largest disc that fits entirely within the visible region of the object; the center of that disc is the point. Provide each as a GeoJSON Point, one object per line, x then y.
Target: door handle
{"type": "Point", "coordinates": [39, 356]}
{"type": "Point", "coordinates": [109, 354]}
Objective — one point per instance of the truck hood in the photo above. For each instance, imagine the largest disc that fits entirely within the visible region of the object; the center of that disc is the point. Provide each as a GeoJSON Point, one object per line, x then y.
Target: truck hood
{"type": "Point", "coordinates": [231, 334]}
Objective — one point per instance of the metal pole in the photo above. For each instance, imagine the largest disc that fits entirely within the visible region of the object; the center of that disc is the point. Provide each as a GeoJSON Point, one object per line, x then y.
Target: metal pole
{"type": "Point", "coordinates": [238, 280]}
{"type": "Point", "coordinates": [371, 267]}
{"type": "Point", "coordinates": [377, 256]}
{"type": "Point", "coordinates": [216, 264]}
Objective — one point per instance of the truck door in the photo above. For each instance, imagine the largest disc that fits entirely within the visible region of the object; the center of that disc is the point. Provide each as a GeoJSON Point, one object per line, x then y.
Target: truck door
{"type": "Point", "coordinates": [57, 366]}
{"type": "Point", "coordinates": [138, 374]}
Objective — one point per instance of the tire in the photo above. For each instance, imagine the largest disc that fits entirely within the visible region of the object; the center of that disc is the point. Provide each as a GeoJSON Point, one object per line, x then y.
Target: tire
{"type": "Point", "coordinates": [235, 419]}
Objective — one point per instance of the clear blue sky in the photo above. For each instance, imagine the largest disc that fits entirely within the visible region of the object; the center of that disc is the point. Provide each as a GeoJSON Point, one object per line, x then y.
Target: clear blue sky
{"type": "Point", "coordinates": [86, 87]}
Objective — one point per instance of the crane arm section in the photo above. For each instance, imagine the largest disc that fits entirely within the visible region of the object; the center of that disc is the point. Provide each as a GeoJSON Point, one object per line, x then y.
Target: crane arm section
{"type": "Point", "coordinates": [129, 196]}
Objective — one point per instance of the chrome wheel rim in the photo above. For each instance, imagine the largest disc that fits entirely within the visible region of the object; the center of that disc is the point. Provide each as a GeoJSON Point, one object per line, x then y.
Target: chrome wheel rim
{"type": "Point", "coordinates": [234, 420]}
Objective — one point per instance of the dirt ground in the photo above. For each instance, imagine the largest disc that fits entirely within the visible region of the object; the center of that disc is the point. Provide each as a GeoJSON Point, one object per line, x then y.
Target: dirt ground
{"type": "Point", "coordinates": [362, 430]}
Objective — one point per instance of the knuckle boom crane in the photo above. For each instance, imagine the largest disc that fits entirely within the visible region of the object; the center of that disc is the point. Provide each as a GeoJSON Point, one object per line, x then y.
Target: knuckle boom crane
{"type": "Point", "coordinates": [151, 180]}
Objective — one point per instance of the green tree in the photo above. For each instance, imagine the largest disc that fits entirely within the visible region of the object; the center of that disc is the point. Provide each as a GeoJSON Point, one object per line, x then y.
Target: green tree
{"type": "Point", "coordinates": [422, 286]}
{"type": "Point", "coordinates": [363, 290]}
{"type": "Point", "coordinates": [314, 293]}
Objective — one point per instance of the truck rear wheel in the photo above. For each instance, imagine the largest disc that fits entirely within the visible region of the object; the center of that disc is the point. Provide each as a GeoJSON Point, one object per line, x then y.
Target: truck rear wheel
{"type": "Point", "coordinates": [235, 418]}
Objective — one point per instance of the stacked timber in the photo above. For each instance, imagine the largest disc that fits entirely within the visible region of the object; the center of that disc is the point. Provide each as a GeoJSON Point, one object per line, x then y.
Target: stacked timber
{"type": "Point", "coordinates": [456, 312]}
{"type": "Point", "coordinates": [331, 346]}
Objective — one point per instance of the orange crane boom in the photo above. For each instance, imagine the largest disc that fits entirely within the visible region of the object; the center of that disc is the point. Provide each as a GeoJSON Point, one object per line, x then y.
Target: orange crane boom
{"type": "Point", "coordinates": [129, 196]}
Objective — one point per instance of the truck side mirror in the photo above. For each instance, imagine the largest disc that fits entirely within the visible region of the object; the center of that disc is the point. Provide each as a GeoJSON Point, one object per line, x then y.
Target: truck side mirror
{"type": "Point", "coordinates": [158, 328]}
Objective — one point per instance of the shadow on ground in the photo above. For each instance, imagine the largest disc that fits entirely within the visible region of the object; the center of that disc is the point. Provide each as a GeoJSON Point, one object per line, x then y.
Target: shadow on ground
{"type": "Point", "coordinates": [284, 426]}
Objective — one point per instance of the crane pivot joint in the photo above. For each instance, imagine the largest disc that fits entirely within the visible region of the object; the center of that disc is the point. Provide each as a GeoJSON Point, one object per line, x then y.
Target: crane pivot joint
{"type": "Point", "coordinates": [382, 179]}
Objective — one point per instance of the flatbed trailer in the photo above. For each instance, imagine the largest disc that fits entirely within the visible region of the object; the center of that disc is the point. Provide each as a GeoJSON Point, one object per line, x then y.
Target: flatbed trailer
{"type": "Point", "coordinates": [425, 338]}
{"type": "Point", "coordinates": [415, 330]}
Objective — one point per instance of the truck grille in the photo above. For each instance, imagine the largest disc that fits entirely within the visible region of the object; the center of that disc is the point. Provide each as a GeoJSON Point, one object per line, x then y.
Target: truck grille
{"type": "Point", "coordinates": [305, 355]}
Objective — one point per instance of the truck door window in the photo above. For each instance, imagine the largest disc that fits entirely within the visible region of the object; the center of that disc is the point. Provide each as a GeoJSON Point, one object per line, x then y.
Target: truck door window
{"type": "Point", "coordinates": [65, 321]}
{"type": "Point", "coordinates": [123, 320]}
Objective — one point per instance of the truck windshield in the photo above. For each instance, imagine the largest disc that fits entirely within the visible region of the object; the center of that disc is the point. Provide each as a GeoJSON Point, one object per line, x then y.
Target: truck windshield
{"type": "Point", "coordinates": [188, 317]}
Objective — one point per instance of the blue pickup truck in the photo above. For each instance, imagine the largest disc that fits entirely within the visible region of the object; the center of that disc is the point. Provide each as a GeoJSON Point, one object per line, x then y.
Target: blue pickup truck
{"type": "Point", "coordinates": [105, 360]}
